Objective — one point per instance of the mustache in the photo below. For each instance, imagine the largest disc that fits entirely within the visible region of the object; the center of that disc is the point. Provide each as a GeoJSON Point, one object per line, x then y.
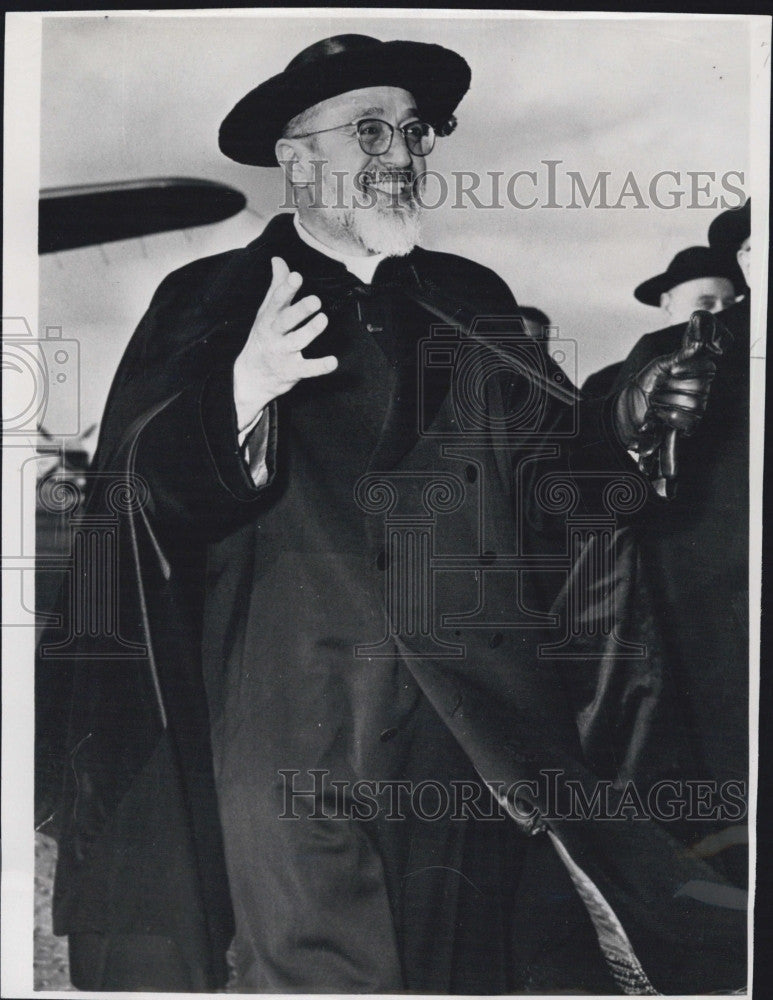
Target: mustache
{"type": "Point", "coordinates": [406, 176]}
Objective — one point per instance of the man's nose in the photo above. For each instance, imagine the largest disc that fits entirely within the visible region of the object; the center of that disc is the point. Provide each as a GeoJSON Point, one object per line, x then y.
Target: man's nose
{"type": "Point", "coordinates": [398, 156]}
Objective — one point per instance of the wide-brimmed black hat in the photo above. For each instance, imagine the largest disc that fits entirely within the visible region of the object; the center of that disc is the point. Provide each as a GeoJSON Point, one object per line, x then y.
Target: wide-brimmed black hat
{"type": "Point", "coordinates": [732, 227]}
{"type": "Point", "coordinates": [436, 77]}
{"type": "Point", "coordinates": [694, 262]}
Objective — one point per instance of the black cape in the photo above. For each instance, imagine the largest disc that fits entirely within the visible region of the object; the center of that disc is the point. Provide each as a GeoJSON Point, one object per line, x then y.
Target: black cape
{"type": "Point", "coordinates": [124, 760]}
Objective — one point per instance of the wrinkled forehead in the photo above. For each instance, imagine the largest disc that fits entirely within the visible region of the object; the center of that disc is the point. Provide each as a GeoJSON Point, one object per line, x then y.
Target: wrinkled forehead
{"type": "Point", "coordinates": [370, 102]}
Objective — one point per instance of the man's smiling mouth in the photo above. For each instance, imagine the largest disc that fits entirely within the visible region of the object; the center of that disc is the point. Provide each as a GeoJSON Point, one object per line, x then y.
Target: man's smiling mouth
{"type": "Point", "coordinates": [391, 183]}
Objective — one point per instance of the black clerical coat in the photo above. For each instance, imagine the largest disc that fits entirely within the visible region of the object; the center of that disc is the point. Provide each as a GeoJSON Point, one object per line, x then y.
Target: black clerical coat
{"type": "Point", "coordinates": [431, 495]}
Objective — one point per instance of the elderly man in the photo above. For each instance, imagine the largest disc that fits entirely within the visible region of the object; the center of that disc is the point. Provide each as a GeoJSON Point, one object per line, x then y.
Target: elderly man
{"type": "Point", "coordinates": [267, 712]}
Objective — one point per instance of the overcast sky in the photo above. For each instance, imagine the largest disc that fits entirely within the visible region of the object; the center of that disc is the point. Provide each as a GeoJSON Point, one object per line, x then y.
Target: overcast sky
{"type": "Point", "coordinates": [131, 97]}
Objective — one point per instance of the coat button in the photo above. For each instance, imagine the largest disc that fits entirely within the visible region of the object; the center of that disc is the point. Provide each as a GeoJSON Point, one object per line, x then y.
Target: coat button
{"type": "Point", "coordinates": [388, 734]}
{"type": "Point", "coordinates": [471, 473]}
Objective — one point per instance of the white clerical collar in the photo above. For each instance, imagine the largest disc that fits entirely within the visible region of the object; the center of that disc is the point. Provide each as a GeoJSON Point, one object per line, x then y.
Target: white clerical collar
{"type": "Point", "coordinates": [361, 267]}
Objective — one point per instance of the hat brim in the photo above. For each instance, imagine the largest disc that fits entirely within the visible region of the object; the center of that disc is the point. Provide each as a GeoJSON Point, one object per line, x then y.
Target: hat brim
{"type": "Point", "coordinates": [436, 77]}
{"type": "Point", "coordinates": [649, 291]}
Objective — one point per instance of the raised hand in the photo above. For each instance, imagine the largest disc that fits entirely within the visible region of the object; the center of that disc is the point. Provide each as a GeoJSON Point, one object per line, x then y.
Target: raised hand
{"type": "Point", "coordinates": [271, 362]}
{"type": "Point", "coordinates": [670, 392]}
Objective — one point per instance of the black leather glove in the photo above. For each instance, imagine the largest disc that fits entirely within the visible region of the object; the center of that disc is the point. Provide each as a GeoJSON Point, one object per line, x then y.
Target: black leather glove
{"type": "Point", "coordinates": [672, 391]}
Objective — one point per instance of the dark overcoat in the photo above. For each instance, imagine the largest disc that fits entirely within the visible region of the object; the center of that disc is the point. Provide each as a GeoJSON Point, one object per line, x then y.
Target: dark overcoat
{"type": "Point", "coordinates": [129, 777]}
{"type": "Point", "coordinates": [695, 550]}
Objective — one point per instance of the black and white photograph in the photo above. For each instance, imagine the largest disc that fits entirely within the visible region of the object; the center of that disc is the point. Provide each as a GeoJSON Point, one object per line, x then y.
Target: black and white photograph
{"type": "Point", "coordinates": [383, 420]}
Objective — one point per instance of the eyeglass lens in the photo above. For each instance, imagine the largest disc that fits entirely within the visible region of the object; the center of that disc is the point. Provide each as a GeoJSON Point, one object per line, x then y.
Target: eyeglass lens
{"type": "Point", "coordinates": [376, 137]}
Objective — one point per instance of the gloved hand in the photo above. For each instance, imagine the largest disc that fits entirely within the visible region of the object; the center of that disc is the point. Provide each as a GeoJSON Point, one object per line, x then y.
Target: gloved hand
{"type": "Point", "coordinates": [672, 391]}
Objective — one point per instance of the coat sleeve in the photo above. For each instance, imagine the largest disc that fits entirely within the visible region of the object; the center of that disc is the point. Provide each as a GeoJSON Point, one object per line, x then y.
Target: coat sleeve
{"type": "Point", "coordinates": [187, 452]}
{"type": "Point", "coordinates": [171, 419]}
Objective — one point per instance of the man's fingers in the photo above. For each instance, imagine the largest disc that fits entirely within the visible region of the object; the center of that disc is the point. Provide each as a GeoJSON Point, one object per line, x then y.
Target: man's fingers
{"type": "Point", "coordinates": [721, 338]}
{"type": "Point", "coordinates": [687, 351]}
{"type": "Point", "coordinates": [704, 328]}
{"type": "Point", "coordinates": [691, 386]}
{"type": "Point", "coordinates": [289, 317]}
{"type": "Point", "coordinates": [279, 271]}
{"type": "Point", "coordinates": [318, 366]}
{"type": "Point", "coordinates": [699, 329]}
{"type": "Point", "coordinates": [685, 420]}
{"type": "Point", "coordinates": [681, 402]}
{"type": "Point", "coordinates": [690, 402]}
{"type": "Point", "coordinates": [281, 293]}
{"type": "Point", "coordinates": [692, 367]}
{"type": "Point", "coordinates": [299, 339]}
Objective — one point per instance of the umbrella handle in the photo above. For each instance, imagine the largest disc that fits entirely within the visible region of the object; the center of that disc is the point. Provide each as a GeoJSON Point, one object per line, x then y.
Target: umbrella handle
{"type": "Point", "coordinates": [668, 462]}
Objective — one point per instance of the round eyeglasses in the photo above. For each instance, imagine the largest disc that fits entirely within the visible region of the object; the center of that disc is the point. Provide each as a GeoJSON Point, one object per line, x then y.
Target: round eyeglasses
{"type": "Point", "coordinates": [375, 136]}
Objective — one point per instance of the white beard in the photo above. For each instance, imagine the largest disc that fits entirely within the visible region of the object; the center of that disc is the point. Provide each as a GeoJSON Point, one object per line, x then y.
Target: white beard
{"type": "Point", "coordinates": [394, 232]}
{"type": "Point", "coordinates": [374, 227]}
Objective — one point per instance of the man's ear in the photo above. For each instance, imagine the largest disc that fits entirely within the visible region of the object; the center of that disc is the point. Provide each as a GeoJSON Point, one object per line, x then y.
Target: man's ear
{"type": "Point", "coordinates": [665, 302]}
{"type": "Point", "coordinates": [290, 157]}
